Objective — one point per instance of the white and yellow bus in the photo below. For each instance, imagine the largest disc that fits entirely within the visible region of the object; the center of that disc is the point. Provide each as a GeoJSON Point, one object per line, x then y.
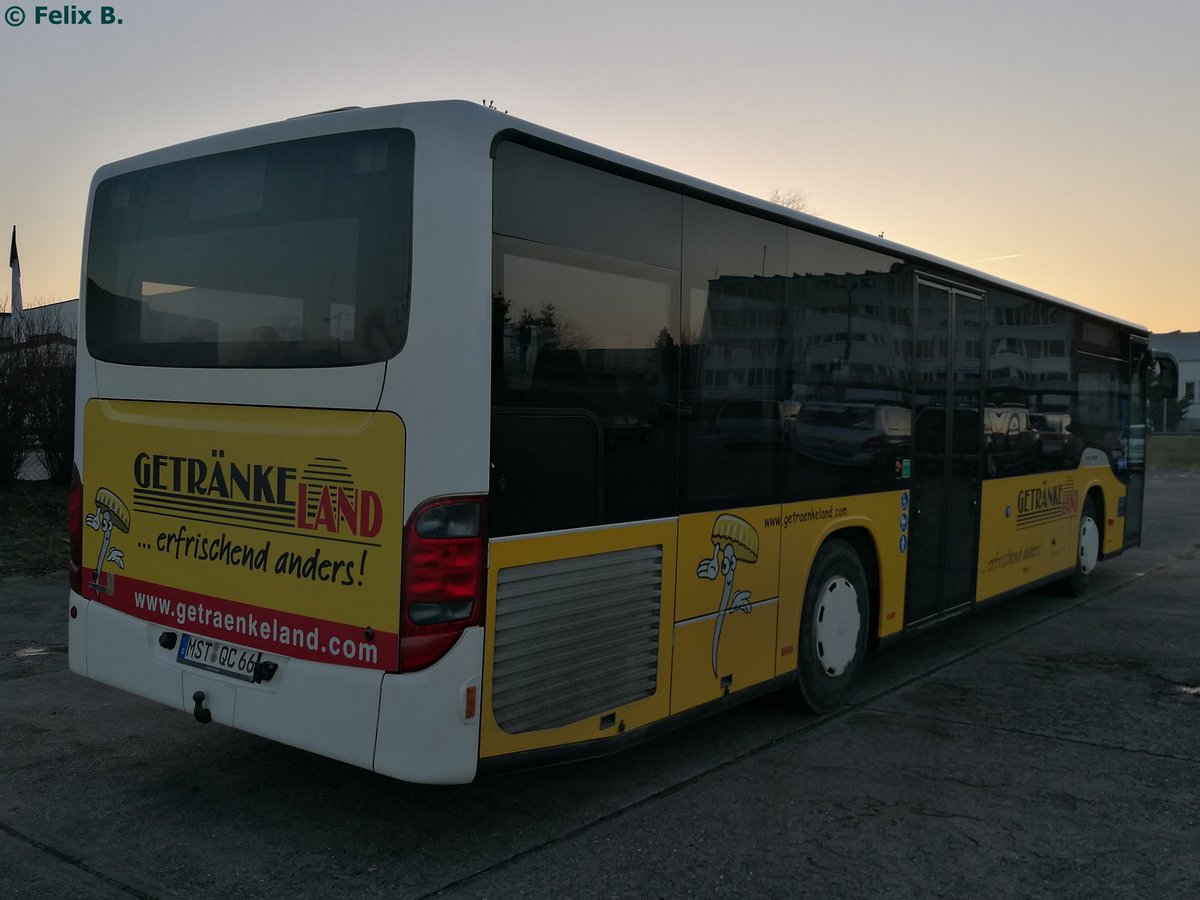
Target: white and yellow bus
{"type": "Point", "coordinates": [436, 442]}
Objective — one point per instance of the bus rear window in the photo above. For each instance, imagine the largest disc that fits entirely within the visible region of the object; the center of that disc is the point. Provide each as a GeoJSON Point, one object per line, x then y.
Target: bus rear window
{"type": "Point", "coordinates": [294, 254]}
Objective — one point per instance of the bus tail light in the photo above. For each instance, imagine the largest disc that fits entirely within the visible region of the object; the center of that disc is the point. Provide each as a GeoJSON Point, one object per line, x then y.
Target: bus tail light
{"type": "Point", "coordinates": [443, 581]}
{"type": "Point", "coordinates": [75, 531]}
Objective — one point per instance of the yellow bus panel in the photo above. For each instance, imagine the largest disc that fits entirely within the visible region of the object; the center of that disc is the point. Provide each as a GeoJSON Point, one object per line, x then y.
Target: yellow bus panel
{"type": "Point", "coordinates": [1029, 525]}
{"type": "Point", "coordinates": [746, 658]}
{"type": "Point", "coordinates": [274, 528]}
{"type": "Point", "coordinates": [726, 603]}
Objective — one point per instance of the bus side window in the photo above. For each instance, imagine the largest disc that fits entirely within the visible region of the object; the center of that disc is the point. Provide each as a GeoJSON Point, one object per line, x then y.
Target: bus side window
{"type": "Point", "coordinates": [583, 353]}
{"type": "Point", "coordinates": [546, 467]}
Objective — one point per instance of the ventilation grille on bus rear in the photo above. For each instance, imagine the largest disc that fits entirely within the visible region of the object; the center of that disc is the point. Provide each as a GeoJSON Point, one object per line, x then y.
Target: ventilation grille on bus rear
{"type": "Point", "coordinates": [575, 637]}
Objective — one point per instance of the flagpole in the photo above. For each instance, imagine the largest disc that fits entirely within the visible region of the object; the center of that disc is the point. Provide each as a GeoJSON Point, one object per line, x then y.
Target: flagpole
{"type": "Point", "coordinates": [15, 264]}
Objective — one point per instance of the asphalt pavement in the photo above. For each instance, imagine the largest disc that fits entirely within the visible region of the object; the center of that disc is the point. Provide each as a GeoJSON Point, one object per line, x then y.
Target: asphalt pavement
{"type": "Point", "coordinates": [1045, 746]}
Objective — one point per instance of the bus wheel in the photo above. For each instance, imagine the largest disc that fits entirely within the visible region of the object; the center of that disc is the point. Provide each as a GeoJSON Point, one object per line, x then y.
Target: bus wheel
{"type": "Point", "coordinates": [833, 627]}
{"type": "Point", "coordinates": [1088, 553]}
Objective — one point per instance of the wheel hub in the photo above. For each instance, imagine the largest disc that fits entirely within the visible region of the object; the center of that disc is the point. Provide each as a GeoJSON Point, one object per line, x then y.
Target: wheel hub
{"type": "Point", "coordinates": [1089, 545]}
{"type": "Point", "coordinates": [836, 625]}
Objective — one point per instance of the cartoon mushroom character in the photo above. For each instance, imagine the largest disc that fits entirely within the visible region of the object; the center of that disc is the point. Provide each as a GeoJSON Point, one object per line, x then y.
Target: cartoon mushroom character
{"type": "Point", "coordinates": [110, 513]}
{"type": "Point", "coordinates": [733, 539]}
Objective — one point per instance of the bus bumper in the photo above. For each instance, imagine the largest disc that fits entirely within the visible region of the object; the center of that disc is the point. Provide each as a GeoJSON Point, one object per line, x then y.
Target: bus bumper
{"type": "Point", "coordinates": [429, 720]}
{"type": "Point", "coordinates": [406, 726]}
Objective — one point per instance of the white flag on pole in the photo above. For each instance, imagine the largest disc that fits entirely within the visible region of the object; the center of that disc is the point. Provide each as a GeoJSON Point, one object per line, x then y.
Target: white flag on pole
{"type": "Point", "coordinates": [15, 264]}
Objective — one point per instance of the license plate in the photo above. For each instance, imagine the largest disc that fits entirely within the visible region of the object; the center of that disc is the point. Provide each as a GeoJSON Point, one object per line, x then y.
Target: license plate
{"type": "Point", "coordinates": [219, 657]}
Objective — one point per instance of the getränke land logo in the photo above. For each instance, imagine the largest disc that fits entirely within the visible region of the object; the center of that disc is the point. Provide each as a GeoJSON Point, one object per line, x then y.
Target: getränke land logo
{"type": "Point", "coordinates": [1046, 503]}
{"type": "Point", "coordinates": [320, 499]}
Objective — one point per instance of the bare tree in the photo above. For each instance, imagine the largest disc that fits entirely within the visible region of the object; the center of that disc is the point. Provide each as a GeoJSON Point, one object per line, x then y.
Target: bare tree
{"type": "Point", "coordinates": [13, 402]}
{"type": "Point", "coordinates": [37, 397]}
{"type": "Point", "coordinates": [792, 199]}
{"type": "Point", "coordinates": [50, 415]}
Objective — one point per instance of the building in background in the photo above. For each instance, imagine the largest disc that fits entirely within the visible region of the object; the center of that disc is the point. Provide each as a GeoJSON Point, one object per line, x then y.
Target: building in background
{"type": "Point", "coordinates": [1185, 346]}
{"type": "Point", "coordinates": [54, 320]}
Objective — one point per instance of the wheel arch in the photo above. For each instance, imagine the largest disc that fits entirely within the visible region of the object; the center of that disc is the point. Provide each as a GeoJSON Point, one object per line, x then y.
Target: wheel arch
{"type": "Point", "coordinates": [817, 687]}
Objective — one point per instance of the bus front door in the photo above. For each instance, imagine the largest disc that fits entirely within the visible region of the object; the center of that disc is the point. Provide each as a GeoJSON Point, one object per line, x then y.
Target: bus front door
{"type": "Point", "coordinates": [1135, 435]}
{"type": "Point", "coordinates": [947, 439]}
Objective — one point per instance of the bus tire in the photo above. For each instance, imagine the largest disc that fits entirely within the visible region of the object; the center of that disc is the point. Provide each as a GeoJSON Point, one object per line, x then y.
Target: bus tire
{"type": "Point", "coordinates": [1087, 551]}
{"type": "Point", "coordinates": [833, 628]}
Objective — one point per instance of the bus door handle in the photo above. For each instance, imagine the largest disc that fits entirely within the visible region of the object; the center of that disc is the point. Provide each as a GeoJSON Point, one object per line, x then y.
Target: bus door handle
{"type": "Point", "coordinates": [497, 479]}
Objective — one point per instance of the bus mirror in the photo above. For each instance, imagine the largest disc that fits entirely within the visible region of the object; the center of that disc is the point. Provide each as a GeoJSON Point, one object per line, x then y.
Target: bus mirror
{"type": "Point", "coordinates": [1167, 370]}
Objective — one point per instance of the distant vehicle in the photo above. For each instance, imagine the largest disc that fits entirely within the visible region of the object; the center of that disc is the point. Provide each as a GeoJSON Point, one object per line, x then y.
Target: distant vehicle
{"type": "Point", "coordinates": [851, 434]}
{"type": "Point", "coordinates": [1058, 444]}
{"type": "Point", "coordinates": [670, 409]}
{"type": "Point", "coordinates": [750, 422]}
{"type": "Point", "coordinates": [1132, 443]}
{"type": "Point", "coordinates": [1013, 445]}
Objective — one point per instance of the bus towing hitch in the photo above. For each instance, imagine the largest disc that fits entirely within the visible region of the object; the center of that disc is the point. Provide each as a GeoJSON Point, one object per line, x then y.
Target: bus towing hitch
{"type": "Point", "coordinates": [203, 716]}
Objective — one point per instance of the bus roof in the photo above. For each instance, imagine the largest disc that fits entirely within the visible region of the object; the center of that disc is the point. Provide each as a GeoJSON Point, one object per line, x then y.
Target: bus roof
{"type": "Point", "coordinates": [492, 125]}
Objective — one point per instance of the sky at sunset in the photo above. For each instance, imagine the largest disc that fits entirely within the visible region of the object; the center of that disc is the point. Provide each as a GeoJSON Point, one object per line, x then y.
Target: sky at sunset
{"type": "Point", "coordinates": [1056, 145]}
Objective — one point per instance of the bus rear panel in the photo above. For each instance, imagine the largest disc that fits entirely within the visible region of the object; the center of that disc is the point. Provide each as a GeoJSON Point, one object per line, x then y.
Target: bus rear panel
{"type": "Point", "coordinates": [251, 527]}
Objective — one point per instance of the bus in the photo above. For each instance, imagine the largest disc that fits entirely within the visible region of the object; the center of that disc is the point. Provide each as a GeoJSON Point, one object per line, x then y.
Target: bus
{"type": "Point", "coordinates": [437, 442]}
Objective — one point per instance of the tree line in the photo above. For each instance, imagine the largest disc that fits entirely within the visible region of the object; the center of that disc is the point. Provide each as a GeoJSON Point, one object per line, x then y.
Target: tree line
{"type": "Point", "coordinates": [37, 397]}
